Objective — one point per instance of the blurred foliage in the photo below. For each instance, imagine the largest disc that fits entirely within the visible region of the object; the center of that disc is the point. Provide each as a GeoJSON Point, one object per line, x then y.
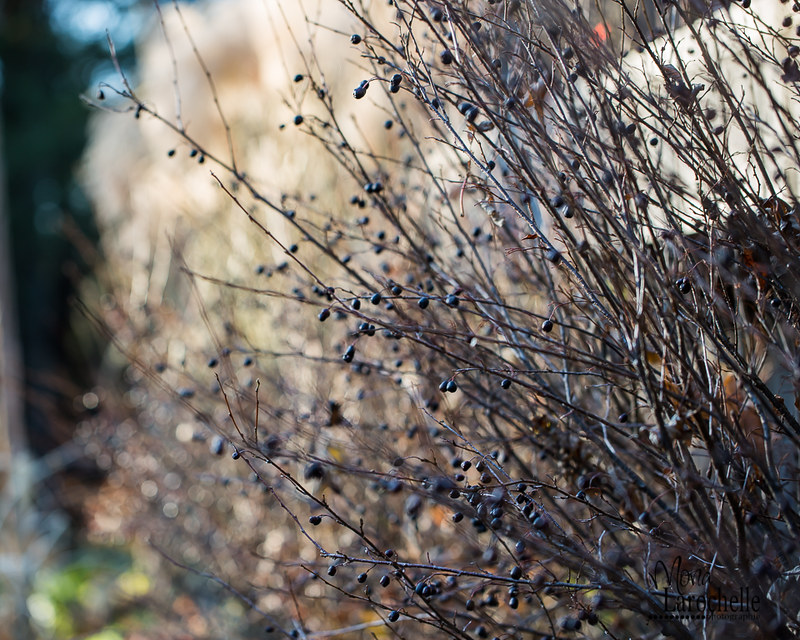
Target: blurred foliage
{"type": "Point", "coordinates": [52, 586]}
{"type": "Point", "coordinates": [44, 72]}
{"type": "Point", "coordinates": [67, 599]}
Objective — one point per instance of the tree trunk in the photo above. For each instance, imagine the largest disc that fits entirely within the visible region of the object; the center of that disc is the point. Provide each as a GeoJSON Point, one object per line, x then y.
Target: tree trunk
{"type": "Point", "coordinates": [14, 459]}
{"type": "Point", "coordinates": [12, 432]}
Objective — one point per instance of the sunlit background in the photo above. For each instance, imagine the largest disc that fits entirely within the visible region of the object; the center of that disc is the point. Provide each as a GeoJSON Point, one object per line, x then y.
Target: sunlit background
{"type": "Point", "coordinates": [53, 582]}
{"type": "Point", "coordinates": [67, 567]}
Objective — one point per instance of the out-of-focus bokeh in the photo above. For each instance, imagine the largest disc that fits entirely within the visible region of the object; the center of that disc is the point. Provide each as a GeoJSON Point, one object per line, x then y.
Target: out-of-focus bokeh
{"type": "Point", "coordinates": [74, 560]}
{"type": "Point", "coordinates": [53, 582]}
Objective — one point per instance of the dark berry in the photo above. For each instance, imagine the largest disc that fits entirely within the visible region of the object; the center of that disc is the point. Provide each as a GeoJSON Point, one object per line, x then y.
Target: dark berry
{"type": "Point", "coordinates": [362, 578]}
{"type": "Point", "coordinates": [547, 326]}
{"type": "Point", "coordinates": [217, 445]}
{"type": "Point", "coordinates": [570, 624]}
{"type": "Point", "coordinates": [423, 302]}
{"type": "Point", "coordinates": [324, 315]}
{"type": "Point", "coordinates": [298, 120]}
{"type": "Point", "coordinates": [505, 383]}
{"type": "Point", "coordinates": [349, 354]}
{"type": "Point", "coordinates": [355, 39]}
{"type": "Point", "coordinates": [376, 298]}
{"type": "Point", "coordinates": [314, 471]}
{"type": "Point", "coordinates": [384, 581]}
{"type": "Point", "coordinates": [446, 57]}
{"type": "Point", "coordinates": [393, 616]}
{"type": "Point", "coordinates": [315, 520]}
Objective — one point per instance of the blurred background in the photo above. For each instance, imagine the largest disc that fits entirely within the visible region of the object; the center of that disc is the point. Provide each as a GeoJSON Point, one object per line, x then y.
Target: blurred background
{"type": "Point", "coordinates": [74, 555]}
{"type": "Point", "coordinates": [53, 582]}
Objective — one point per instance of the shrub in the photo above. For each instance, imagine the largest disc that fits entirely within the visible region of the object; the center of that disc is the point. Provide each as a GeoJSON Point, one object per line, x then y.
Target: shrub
{"type": "Point", "coordinates": [522, 363]}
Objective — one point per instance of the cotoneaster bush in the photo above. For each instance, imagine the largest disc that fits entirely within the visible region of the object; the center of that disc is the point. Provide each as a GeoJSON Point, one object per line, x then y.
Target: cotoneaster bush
{"type": "Point", "coordinates": [485, 332]}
